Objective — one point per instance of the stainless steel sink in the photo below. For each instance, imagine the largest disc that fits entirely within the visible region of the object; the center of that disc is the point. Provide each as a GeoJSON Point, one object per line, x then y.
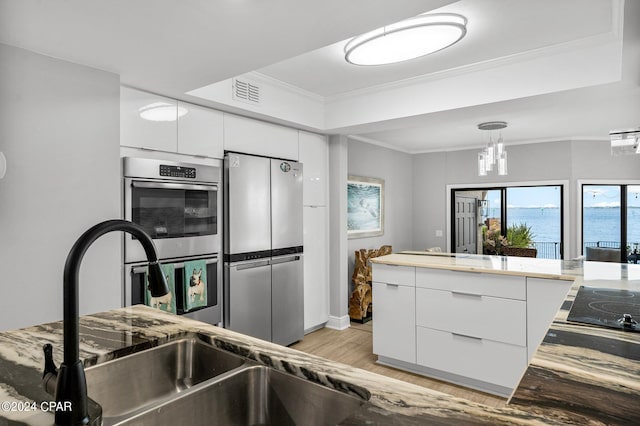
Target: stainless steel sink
{"type": "Point", "coordinates": [126, 385]}
{"type": "Point", "coordinates": [191, 382]}
{"type": "Point", "coordinates": [255, 395]}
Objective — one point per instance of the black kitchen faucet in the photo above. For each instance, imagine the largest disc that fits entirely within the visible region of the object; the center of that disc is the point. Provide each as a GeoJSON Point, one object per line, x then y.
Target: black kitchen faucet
{"type": "Point", "coordinates": [71, 385]}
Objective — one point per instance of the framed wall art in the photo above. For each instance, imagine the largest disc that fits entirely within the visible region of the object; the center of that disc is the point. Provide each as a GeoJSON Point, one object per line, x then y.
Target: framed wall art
{"type": "Point", "coordinates": [365, 207]}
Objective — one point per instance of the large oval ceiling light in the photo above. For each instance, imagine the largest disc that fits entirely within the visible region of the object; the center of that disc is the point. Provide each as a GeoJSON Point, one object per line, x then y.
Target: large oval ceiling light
{"type": "Point", "coordinates": [162, 111]}
{"type": "Point", "coordinates": [406, 40]}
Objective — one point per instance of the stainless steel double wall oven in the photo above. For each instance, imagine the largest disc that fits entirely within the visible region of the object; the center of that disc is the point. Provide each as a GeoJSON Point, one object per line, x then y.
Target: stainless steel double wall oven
{"type": "Point", "coordinates": [180, 206]}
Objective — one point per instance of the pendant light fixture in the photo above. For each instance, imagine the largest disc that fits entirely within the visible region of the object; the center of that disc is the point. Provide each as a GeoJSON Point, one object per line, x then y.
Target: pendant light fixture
{"type": "Point", "coordinates": [408, 39]}
{"type": "Point", "coordinates": [625, 142]}
{"type": "Point", "coordinates": [493, 156]}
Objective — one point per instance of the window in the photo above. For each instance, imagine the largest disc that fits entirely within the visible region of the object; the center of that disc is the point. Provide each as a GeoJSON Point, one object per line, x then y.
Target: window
{"type": "Point", "coordinates": [510, 220]}
{"type": "Point", "coordinates": [611, 223]}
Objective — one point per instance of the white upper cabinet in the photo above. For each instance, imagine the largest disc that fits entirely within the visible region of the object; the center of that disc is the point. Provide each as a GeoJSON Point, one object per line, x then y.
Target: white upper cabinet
{"type": "Point", "coordinates": [200, 131]}
{"type": "Point", "coordinates": [257, 137]}
{"type": "Point", "coordinates": [314, 154]}
{"type": "Point", "coordinates": [162, 124]}
{"type": "Point", "coordinates": [147, 120]}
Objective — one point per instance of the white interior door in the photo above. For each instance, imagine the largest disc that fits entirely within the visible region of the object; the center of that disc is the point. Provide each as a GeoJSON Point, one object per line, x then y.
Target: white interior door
{"type": "Point", "coordinates": [465, 224]}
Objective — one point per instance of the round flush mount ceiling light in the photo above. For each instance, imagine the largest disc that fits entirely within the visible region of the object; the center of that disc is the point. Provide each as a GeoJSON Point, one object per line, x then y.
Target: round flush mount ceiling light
{"type": "Point", "coordinates": [162, 111]}
{"type": "Point", "coordinates": [406, 40]}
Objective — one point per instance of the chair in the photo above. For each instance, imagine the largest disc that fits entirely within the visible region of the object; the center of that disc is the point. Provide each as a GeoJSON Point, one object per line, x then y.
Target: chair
{"type": "Point", "coordinates": [603, 254]}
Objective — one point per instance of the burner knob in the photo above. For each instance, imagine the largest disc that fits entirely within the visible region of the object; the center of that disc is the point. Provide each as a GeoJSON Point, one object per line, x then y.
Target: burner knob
{"type": "Point", "coordinates": [627, 320]}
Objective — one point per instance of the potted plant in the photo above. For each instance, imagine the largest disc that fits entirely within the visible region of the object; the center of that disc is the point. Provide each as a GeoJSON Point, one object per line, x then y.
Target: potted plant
{"type": "Point", "coordinates": [520, 239]}
{"type": "Point", "coordinates": [494, 242]}
{"type": "Point", "coordinates": [520, 235]}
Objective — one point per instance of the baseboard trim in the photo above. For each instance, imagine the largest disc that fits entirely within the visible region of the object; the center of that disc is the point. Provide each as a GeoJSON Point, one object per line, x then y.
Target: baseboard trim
{"type": "Point", "coordinates": [338, 323]}
{"type": "Point", "coordinates": [494, 389]}
{"type": "Point", "coordinates": [314, 328]}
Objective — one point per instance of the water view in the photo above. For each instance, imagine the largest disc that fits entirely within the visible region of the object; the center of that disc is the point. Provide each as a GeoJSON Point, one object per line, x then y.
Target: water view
{"type": "Point", "coordinates": [538, 208]}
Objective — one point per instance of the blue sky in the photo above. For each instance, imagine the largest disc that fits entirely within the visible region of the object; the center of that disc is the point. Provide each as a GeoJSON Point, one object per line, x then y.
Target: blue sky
{"type": "Point", "coordinates": [549, 196]}
{"type": "Point", "coordinates": [609, 196]}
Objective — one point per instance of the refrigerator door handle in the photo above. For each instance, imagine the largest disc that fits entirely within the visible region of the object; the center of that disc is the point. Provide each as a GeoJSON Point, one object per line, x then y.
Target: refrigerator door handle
{"type": "Point", "coordinates": [251, 265]}
{"type": "Point", "coordinates": [284, 259]}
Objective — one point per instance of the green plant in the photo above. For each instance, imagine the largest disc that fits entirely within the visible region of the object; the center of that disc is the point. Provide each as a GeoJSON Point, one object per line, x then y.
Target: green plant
{"type": "Point", "coordinates": [520, 235]}
{"type": "Point", "coordinates": [494, 242]}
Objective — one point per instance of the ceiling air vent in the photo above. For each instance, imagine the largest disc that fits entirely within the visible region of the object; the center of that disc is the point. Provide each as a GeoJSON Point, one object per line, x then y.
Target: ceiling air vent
{"type": "Point", "coordinates": [246, 92]}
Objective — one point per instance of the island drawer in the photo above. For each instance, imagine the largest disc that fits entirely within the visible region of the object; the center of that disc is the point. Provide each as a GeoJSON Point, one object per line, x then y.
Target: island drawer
{"type": "Point", "coordinates": [493, 318]}
{"type": "Point", "coordinates": [478, 283]}
{"type": "Point", "coordinates": [480, 359]}
{"type": "Point", "coordinates": [394, 274]}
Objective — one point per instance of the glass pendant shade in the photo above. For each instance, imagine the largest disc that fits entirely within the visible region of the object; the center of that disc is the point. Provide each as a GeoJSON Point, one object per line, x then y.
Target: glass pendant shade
{"type": "Point", "coordinates": [502, 164]}
{"type": "Point", "coordinates": [406, 40]}
{"type": "Point", "coordinates": [482, 167]}
{"type": "Point", "coordinates": [3, 165]}
{"type": "Point", "coordinates": [499, 148]}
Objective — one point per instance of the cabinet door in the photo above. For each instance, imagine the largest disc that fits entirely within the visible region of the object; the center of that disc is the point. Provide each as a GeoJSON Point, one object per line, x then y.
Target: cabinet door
{"type": "Point", "coordinates": [316, 265]}
{"type": "Point", "coordinates": [200, 131]}
{"type": "Point", "coordinates": [257, 137]}
{"type": "Point", "coordinates": [394, 321]}
{"type": "Point", "coordinates": [148, 121]}
{"type": "Point", "coordinates": [314, 154]}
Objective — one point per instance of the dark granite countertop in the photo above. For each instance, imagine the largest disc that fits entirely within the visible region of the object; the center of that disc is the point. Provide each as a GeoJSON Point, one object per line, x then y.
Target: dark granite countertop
{"type": "Point", "coordinates": [580, 374]}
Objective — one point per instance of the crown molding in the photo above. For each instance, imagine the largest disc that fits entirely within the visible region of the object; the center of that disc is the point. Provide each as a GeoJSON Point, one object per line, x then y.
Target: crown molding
{"type": "Point", "coordinates": [516, 143]}
{"type": "Point", "coordinates": [378, 143]}
{"type": "Point", "coordinates": [476, 146]}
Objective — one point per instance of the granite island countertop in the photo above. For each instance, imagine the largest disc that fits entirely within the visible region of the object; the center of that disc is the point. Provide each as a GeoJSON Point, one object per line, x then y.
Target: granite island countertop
{"type": "Point", "coordinates": [577, 371]}
{"type": "Point", "coordinates": [580, 374]}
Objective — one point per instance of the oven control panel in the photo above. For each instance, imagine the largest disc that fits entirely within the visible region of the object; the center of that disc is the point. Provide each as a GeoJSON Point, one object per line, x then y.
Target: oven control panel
{"type": "Point", "coordinates": [177, 171]}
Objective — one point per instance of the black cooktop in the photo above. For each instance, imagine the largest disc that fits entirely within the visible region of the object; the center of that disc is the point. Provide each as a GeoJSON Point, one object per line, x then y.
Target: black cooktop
{"type": "Point", "coordinates": [607, 307]}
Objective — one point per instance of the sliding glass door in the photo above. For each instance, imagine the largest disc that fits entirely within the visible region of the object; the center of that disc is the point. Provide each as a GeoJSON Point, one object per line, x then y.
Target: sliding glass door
{"type": "Point", "coordinates": [611, 223]}
{"type": "Point", "coordinates": [536, 212]}
{"type": "Point", "coordinates": [512, 221]}
{"type": "Point", "coordinates": [633, 224]}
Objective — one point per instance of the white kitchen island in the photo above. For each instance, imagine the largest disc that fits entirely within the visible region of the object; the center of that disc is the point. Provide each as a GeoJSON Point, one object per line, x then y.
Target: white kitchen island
{"type": "Point", "coordinates": [467, 319]}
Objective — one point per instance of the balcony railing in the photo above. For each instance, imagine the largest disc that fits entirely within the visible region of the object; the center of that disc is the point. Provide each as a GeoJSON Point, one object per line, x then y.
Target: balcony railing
{"type": "Point", "coordinates": [603, 244]}
{"type": "Point", "coordinates": [551, 249]}
{"type": "Point", "coordinates": [547, 250]}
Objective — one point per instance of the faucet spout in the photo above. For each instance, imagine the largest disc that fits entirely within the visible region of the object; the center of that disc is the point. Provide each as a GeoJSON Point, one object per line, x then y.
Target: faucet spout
{"type": "Point", "coordinates": [71, 383]}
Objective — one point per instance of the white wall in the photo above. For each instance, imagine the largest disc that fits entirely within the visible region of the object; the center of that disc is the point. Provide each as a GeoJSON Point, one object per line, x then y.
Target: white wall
{"type": "Point", "coordinates": [429, 199]}
{"type": "Point", "coordinates": [396, 169]}
{"type": "Point", "coordinates": [553, 161]}
{"type": "Point", "coordinates": [59, 129]}
{"type": "Point", "coordinates": [338, 269]}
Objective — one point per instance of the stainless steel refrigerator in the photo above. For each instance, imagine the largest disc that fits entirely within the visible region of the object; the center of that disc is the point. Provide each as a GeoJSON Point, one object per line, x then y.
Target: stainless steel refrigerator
{"type": "Point", "coordinates": [263, 248]}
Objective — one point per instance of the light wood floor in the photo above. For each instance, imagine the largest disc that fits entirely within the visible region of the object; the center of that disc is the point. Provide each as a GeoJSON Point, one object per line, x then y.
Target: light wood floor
{"type": "Point", "coordinates": [354, 346]}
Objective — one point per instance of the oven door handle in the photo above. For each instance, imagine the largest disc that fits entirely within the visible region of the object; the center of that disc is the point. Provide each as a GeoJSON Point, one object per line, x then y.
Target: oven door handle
{"type": "Point", "coordinates": [176, 265]}
{"type": "Point", "coordinates": [170, 185]}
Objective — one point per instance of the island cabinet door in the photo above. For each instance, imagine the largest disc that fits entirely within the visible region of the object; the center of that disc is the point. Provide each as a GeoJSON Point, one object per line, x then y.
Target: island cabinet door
{"type": "Point", "coordinates": [394, 321]}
